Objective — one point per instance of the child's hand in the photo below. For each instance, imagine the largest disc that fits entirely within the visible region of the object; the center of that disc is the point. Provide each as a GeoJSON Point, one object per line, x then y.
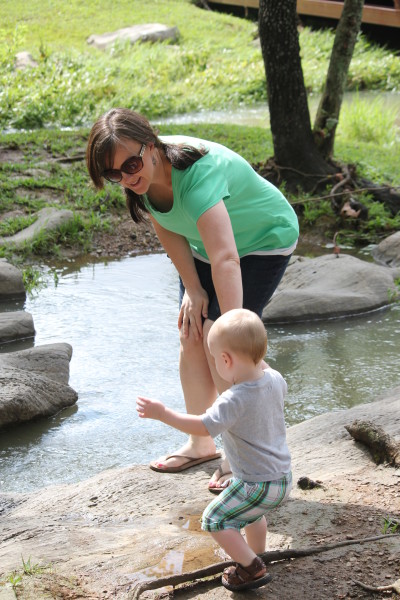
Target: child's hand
{"type": "Point", "coordinates": [149, 409]}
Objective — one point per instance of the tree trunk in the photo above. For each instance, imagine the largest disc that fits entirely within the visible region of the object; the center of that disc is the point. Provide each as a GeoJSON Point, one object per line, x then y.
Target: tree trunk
{"type": "Point", "coordinates": [328, 111]}
{"type": "Point", "coordinates": [296, 155]}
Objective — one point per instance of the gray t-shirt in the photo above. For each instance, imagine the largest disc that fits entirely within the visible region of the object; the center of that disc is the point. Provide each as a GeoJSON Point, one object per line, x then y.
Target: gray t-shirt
{"type": "Point", "coordinates": [251, 420]}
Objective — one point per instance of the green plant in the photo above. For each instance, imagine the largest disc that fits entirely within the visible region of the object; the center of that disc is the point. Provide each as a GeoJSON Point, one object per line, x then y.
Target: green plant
{"type": "Point", "coordinates": [33, 280]}
{"type": "Point", "coordinates": [29, 568]}
{"type": "Point", "coordinates": [394, 294]}
{"type": "Point", "coordinates": [14, 224]}
{"type": "Point", "coordinates": [14, 579]}
{"type": "Point", "coordinates": [313, 210]}
{"type": "Point", "coordinates": [390, 525]}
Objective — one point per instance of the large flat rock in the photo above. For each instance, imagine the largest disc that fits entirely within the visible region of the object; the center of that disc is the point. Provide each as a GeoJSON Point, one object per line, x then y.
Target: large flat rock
{"type": "Point", "coordinates": [128, 524]}
{"type": "Point", "coordinates": [329, 287]}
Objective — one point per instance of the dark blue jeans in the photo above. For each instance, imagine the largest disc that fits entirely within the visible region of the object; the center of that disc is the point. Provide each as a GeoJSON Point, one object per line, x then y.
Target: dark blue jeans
{"type": "Point", "coordinates": [261, 275]}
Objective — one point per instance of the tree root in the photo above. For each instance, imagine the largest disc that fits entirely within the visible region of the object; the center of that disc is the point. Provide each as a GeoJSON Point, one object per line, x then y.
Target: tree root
{"type": "Point", "coordinates": [383, 447]}
{"type": "Point", "coordinates": [268, 557]}
{"type": "Point", "coordinates": [344, 180]}
{"type": "Point", "coordinates": [393, 587]}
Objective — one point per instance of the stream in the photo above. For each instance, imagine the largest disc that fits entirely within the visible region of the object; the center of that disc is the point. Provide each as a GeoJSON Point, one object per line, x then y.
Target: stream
{"type": "Point", "coordinates": [120, 318]}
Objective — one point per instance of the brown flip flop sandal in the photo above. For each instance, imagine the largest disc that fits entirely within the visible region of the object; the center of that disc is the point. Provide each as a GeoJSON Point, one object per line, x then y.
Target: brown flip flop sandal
{"type": "Point", "coordinates": [190, 462]}
{"type": "Point", "coordinates": [221, 488]}
{"type": "Point", "coordinates": [239, 578]}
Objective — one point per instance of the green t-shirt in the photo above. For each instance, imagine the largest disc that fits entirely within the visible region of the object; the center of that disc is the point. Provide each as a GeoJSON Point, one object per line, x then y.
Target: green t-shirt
{"type": "Point", "coordinates": [262, 219]}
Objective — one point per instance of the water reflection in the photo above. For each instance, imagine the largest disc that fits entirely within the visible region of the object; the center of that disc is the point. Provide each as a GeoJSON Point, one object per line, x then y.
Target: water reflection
{"type": "Point", "coordinates": [120, 318]}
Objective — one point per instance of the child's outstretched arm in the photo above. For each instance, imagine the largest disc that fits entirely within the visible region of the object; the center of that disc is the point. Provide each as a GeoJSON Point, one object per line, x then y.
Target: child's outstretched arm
{"type": "Point", "coordinates": [153, 409]}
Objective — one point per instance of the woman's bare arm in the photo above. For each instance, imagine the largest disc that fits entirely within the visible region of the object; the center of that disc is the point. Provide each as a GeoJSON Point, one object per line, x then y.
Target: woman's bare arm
{"type": "Point", "coordinates": [216, 232]}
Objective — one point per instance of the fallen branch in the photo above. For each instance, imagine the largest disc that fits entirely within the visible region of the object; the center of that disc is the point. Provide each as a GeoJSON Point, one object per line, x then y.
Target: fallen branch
{"type": "Point", "coordinates": [268, 557]}
{"type": "Point", "coordinates": [383, 447]}
{"type": "Point", "coordinates": [330, 195]}
{"type": "Point", "coordinates": [393, 587]}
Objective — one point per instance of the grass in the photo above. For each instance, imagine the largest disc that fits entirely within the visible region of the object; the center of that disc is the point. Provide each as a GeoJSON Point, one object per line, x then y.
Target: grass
{"type": "Point", "coordinates": [13, 225]}
{"type": "Point", "coordinates": [70, 187]}
{"type": "Point", "coordinates": [216, 62]}
{"type": "Point", "coordinates": [28, 569]}
{"type": "Point", "coordinates": [369, 120]}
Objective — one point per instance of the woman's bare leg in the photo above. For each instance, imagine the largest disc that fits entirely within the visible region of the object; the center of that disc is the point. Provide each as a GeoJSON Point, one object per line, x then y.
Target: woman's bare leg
{"type": "Point", "coordinates": [199, 393]}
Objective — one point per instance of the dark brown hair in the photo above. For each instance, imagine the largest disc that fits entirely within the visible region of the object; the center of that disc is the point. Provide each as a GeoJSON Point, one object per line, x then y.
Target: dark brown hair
{"type": "Point", "coordinates": [121, 123]}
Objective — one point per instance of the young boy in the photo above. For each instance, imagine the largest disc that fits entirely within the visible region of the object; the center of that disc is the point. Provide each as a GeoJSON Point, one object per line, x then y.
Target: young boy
{"type": "Point", "coordinates": [250, 418]}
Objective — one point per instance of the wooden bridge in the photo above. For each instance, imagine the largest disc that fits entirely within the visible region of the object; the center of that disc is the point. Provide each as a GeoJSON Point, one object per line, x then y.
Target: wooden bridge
{"type": "Point", "coordinates": [386, 14]}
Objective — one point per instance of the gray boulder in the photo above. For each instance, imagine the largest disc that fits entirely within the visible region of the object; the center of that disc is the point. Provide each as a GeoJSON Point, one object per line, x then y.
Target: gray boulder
{"type": "Point", "coordinates": [388, 251]}
{"type": "Point", "coordinates": [329, 287]}
{"type": "Point", "coordinates": [34, 383]}
{"type": "Point", "coordinates": [49, 219]}
{"type": "Point", "coordinates": [16, 325]}
{"type": "Point", "coordinates": [11, 282]}
{"type": "Point", "coordinates": [150, 32]}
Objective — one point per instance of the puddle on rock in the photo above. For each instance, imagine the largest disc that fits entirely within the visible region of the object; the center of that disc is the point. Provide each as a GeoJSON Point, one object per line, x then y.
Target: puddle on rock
{"type": "Point", "coordinates": [176, 562]}
{"type": "Point", "coordinates": [192, 523]}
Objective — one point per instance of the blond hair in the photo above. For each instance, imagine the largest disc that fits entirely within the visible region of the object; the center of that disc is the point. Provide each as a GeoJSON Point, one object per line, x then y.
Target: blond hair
{"type": "Point", "coordinates": [242, 331]}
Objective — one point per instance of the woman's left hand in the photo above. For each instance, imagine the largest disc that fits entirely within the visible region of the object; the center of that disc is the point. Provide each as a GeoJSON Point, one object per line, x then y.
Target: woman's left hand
{"type": "Point", "coordinates": [193, 310]}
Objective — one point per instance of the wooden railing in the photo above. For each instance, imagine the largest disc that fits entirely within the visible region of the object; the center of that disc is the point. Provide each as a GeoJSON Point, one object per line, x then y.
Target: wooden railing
{"type": "Point", "coordinates": [387, 16]}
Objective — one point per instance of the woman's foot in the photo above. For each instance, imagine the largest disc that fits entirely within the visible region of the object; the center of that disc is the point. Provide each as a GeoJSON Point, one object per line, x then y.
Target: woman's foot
{"type": "Point", "coordinates": [221, 478]}
{"type": "Point", "coordinates": [219, 481]}
{"type": "Point", "coordinates": [186, 457]}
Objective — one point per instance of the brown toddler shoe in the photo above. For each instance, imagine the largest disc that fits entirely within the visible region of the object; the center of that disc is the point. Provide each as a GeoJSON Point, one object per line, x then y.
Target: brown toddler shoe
{"type": "Point", "coordinates": [238, 578]}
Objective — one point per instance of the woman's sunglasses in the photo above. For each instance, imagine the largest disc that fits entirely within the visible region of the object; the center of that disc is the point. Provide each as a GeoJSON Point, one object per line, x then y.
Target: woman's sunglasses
{"type": "Point", "coordinates": [132, 165]}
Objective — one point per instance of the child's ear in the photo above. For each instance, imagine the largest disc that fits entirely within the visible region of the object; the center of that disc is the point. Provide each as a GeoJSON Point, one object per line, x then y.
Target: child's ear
{"type": "Point", "coordinates": [227, 358]}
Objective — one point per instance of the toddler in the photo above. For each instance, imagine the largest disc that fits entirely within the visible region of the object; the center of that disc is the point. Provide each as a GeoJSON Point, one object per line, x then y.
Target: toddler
{"type": "Point", "coordinates": [250, 418]}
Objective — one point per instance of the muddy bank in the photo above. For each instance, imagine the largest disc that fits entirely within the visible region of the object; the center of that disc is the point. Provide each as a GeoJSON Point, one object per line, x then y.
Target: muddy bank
{"type": "Point", "coordinates": [104, 535]}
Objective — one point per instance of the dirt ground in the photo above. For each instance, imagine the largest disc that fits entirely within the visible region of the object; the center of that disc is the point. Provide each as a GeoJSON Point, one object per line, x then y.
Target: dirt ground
{"type": "Point", "coordinates": [126, 239]}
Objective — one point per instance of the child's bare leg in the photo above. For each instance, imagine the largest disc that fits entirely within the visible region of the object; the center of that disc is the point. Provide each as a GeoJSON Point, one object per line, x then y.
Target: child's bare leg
{"type": "Point", "coordinates": [256, 534]}
{"type": "Point", "coordinates": [235, 545]}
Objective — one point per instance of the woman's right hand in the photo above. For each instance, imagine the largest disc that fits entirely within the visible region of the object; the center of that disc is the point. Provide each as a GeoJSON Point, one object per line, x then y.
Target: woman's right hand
{"type": "Point", "coordinates": [194, 309]}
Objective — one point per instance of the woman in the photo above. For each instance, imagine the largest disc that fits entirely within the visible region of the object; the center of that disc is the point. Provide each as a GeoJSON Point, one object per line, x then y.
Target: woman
{"type": "Point", "coordinates": [229, 233]}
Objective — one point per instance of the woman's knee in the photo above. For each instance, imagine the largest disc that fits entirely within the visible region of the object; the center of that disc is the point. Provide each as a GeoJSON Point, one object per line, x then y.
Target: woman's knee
{"type": "Point", "coordinates": [189, 346]}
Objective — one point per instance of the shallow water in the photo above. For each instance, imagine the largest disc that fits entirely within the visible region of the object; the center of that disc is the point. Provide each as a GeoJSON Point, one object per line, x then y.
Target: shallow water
{"type": "Point", "coordinates": [258, 114]}
{"type": "Point", "coordinates": [120, 318]}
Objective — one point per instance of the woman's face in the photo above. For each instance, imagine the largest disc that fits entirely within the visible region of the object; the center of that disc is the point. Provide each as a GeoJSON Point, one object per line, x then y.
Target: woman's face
{"type": "Point", "coordinates": [138, 182]}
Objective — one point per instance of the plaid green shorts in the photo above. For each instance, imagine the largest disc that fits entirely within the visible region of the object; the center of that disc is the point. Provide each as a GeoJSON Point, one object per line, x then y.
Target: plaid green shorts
{"type": "Point", "coordinates": [242, 503]}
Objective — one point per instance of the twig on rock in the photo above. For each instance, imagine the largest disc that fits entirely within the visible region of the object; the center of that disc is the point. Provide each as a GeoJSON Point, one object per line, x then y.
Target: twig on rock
{"type": "Point", "coordinates": [393, 587]}
{"type": "Point", "coordinates": [268, 557]}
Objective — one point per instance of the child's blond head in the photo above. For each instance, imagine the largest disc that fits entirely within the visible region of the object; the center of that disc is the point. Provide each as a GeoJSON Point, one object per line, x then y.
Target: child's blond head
{"type": "Point", "coordinates": [241, 331]}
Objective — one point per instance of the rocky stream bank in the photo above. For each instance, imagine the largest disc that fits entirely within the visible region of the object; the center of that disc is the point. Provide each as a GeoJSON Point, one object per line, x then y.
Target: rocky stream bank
{"type": "Point", "coordinates": [100, 538]}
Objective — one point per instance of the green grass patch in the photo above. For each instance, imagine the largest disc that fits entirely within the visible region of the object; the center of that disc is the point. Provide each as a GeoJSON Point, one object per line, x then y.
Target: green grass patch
{"type": "Point", "coordinates": [216, 63]}
{"type": "Point", "coordinates": [12, 225]}
{"type": "Point", "coordinates": [369, 120]}
{"type": "Point", "coordinates": [95, 211]}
